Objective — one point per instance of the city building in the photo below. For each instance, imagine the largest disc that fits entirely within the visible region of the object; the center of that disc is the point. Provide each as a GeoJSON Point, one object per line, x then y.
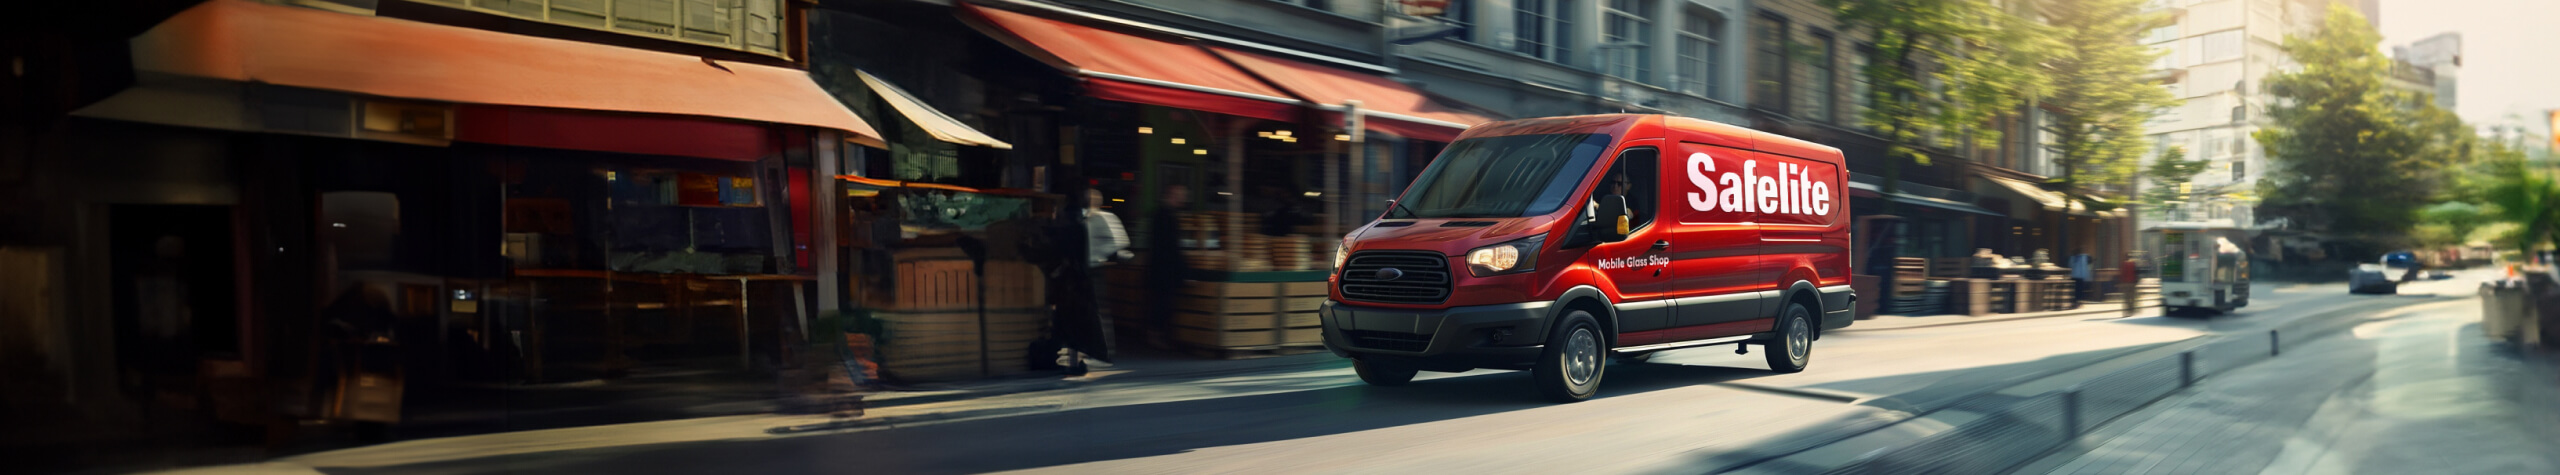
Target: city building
{"type": "Point", "coordinates": [271, 213]}
{"type": "Point", "coordinates": [2441, 56]}
{"type": "Point", "coordinates": [2216, 58]}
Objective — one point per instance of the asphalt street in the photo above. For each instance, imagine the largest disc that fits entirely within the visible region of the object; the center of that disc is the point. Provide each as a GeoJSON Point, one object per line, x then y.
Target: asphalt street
{"type": "Point", "coordinates": [1687, 411]}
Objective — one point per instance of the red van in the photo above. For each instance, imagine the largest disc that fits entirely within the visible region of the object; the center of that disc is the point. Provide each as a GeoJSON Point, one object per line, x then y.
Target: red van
{"type": "Point", "coordinates": [1550, 244]}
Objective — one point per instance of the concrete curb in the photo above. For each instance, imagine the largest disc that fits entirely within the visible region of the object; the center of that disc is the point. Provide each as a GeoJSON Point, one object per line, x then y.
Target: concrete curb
{"type": "Point", "coordinates": [912, 398]}
{"type": "Point", "coordinates": [2062, 313]}
{"type": "Point", "coordinates": [912, 419]}
{"type": "Point", "coordinates": [1999, 430]}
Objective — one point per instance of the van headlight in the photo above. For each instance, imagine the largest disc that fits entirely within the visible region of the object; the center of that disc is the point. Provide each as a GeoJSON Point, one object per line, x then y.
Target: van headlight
{"type": "Point", "coordinates": [1341, 255]}
{"type": "Point", "coordinates": [1511, 257]}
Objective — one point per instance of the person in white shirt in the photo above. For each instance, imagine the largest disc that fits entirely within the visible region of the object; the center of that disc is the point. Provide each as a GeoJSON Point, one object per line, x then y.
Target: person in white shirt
{"type": "Point", "coordinates": [1090, 342]}
{"type": "Point", "coordinates": [1103, 232]}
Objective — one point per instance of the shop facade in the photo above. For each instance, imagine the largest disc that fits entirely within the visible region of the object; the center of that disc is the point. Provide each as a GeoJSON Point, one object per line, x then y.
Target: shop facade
{"type": "Point", "coordinates": [294, 214]}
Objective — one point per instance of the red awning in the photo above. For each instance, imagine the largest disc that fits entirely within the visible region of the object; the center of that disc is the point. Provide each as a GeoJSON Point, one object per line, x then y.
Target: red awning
{"type": "Point", "coordinates": [1386, 105]}
{"type": "Point", "coordinates": [300, 47]}
{"type": "Point", "coordinates": [1127, 67]}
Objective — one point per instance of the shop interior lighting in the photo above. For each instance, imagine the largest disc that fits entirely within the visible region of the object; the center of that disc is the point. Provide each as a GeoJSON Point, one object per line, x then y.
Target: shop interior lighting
{"type": "Point", "coordinates": [1264, 134]}
{"type": "Point", "coordinates": [1119, 200]}
{"type": "Point", "coordinates": [1282, 132]}
{"type": "Point", "coordinates": [1178, 141]}
{"type": "Point", "coordinates": [1146, 130]}
{"type": "Point", "coordinates": [1199, 151]}
{"type": "Point", "coordinates": [1313, 194]}
{"type": "Point", "coordinates": [1341, 137]}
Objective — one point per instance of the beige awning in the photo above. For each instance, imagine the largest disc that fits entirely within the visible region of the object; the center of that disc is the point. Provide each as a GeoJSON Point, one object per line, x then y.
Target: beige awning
{"type": "Point", "coordinates": [941, 127]}
{"type": "Point", "coordinates": [2047, 199]}
{"type": "Point", "coordinates": [2050, 200]}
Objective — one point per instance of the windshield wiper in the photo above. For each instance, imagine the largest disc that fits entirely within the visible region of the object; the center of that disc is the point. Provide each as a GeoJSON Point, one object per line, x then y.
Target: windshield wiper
{"type": "Point", "coordinates": [1393, 205]}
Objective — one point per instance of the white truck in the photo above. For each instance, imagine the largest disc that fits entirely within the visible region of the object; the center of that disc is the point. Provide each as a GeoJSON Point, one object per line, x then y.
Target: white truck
{"type": "Point", "coordinates": [2202, 270]}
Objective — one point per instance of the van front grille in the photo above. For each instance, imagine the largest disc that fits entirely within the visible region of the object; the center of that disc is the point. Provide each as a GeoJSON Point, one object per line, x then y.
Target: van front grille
{"type": "Point", "coordinates": [1389, 341]}
{"type": "Point", "coordinates": [1418, 277]}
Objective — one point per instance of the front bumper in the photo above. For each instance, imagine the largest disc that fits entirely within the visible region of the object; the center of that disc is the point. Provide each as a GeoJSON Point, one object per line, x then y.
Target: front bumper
{"type": "Point", "coordinates": [1507, 336]}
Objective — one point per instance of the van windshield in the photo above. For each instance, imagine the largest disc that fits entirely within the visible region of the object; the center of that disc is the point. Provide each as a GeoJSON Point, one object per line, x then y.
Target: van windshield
{"type": "Point", "coordinates": [1502, 177]}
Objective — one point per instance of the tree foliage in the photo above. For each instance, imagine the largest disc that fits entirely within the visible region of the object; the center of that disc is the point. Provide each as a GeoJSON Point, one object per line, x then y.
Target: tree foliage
{"type": "Point", "coordinates": [2523, 197]}
{"type": "Point", "coordinates": [2101, 87]}
{"type": "Point", "coordinates": [1944, 66]}
{"type": "Point", "coordinates": [2167, 175]}
{"type": "Point", "coordinates": [2351, 157]}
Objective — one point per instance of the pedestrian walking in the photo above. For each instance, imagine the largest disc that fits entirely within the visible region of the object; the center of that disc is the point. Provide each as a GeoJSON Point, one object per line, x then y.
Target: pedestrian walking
{"type": "Point", "coordinates": [2129, 275]}
{"type": "Point", "coordinates": [1105, 242]}
{"type": "Point", "coordinates": [2082, 277]}
{"type": "Point", "coordinates": [1165, 264]}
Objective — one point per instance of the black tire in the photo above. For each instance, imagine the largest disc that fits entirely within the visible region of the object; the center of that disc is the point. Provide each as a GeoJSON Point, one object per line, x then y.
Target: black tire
{"type": "Point", "coordinates": [1637, 357]}
{"type": "Point", "coordinates": [1792, 350]}
{"type": "Point", "coordinates": [1575, 358]}
{"type": "Point", "coordinates": [1381, 374]}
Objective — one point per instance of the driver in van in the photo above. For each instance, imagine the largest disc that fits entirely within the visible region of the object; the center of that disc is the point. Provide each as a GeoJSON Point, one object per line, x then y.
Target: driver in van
{"type": "Point", "coordinates": [1614, 184]}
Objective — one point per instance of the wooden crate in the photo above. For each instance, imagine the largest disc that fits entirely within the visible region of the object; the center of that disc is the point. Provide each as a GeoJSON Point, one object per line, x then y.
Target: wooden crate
{"type": "Point", "coordinates": [946, 345]}
{"type": "Point", "coordinates": [1210, 321]}
{"type": "Point", "coordinates": [1244, 339]}
{"type": "Point", "coordinates": [1249, 315]}
{"type": "Point", "coordinates": [1947, 268]}
{"type": "Point", "coordinates": [943, 279]}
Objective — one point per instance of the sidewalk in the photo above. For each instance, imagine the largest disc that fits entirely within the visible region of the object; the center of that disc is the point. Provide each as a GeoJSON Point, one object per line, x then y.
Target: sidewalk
{"type": "Point", "coordinates": [1142, 376]}
{"type": "Point", "coordinates": [2424, 393]}
{"type": "Point", "coordinates": [1899, 322]}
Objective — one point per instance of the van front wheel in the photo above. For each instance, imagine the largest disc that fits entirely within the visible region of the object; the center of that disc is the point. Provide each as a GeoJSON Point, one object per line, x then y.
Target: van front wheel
{"type": "Point", "coordinates": [1569, 369]}
{"type": "Point", "coordinates": [1793, 349]}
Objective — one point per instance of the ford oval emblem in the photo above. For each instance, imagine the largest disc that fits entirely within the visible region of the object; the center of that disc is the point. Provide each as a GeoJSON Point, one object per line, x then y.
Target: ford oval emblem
{"type": "Point", "coordinates": [1390, 273]}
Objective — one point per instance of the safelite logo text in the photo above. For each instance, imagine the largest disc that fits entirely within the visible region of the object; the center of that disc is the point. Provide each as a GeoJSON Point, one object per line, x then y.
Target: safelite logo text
{"type": "Point", "coordinates": [1788, 190]}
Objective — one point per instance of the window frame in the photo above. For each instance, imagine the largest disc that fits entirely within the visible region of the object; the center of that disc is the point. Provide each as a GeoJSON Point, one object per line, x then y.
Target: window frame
{"type": "Point", "coordinates": [1461, 14]}
{"type": "Point", "coordinates": [1634, 61]}
{"type": "Point", "coordinates": [1553, 40]}
{"type": "Point", "coordinates": [1825, 77]}
{"type": "Point", "coordinates": [1769, 88]}
{"type": "Point", "coordinates": [1862, 89]}
{"type": "Point", "coordinates": [1643, 214]}
{"type": "Point", "coordinates": [1708, 60]}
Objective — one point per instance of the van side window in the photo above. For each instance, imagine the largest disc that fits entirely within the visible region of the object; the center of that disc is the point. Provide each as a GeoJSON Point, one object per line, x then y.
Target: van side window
{"type": "Point", "coordinates": [1638, 176]}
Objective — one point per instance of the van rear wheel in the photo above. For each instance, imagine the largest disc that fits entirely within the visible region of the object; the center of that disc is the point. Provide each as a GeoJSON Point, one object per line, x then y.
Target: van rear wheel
{"type": "Point", "coordinates": [1382, 374]}
{"type": "Point", "coordinates": [1793, 349]}
{"type": "Point", "coordinates": [1569, 369]}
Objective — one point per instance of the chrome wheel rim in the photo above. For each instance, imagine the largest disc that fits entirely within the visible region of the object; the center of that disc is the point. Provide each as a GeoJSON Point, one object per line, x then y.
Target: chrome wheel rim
{"type": "Point", "coordinates": [1581, 357]}
{"type": "Point", "coordinates": [1799, 340]}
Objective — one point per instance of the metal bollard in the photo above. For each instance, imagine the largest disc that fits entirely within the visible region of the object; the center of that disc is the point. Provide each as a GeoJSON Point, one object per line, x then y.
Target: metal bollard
{"type": "Point", "coordinates": [2186, 369]}
{"type": "Point", "coordinates": [2071, 412]}
{"type": "Point", "coordinates": [2275, 346]}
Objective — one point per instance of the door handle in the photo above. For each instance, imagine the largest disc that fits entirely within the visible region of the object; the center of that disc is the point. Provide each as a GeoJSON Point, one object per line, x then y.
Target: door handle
{"type": "Point", "coordinates": [1661, 245]}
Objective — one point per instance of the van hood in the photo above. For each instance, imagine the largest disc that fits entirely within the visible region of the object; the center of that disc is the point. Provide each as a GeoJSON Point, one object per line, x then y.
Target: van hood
{"type": "Point", "coordinates": [1450, 236]}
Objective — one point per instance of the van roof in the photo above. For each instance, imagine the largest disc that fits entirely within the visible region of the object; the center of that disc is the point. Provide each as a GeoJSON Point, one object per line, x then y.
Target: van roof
{"type": "Point", "coordinates": [1718, 133]}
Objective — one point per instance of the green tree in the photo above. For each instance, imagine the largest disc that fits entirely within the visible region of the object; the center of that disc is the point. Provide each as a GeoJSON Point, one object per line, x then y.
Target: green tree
{"type": "Point", "coordinates": [2102, 91]}
{"type": "Point", "coordinates": [2352, 157]}
{"type": "Point", "coordinates": [1946, 67]}
{"type": "Point", "coordinates": [2452, 221]}
{"type": "Point", "coordinates": [2527, 199]}
{"type": "Point", "coordinates": [2169, 176]}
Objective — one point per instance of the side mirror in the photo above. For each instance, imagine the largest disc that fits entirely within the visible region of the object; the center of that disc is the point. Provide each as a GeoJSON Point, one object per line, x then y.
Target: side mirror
{"type": "Point", "coordinates": [1611, 222]}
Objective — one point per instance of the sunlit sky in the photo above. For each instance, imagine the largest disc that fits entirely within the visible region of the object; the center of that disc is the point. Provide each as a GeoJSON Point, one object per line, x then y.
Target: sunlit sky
{"type": "Point", "coordinates": [2511, 52]}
